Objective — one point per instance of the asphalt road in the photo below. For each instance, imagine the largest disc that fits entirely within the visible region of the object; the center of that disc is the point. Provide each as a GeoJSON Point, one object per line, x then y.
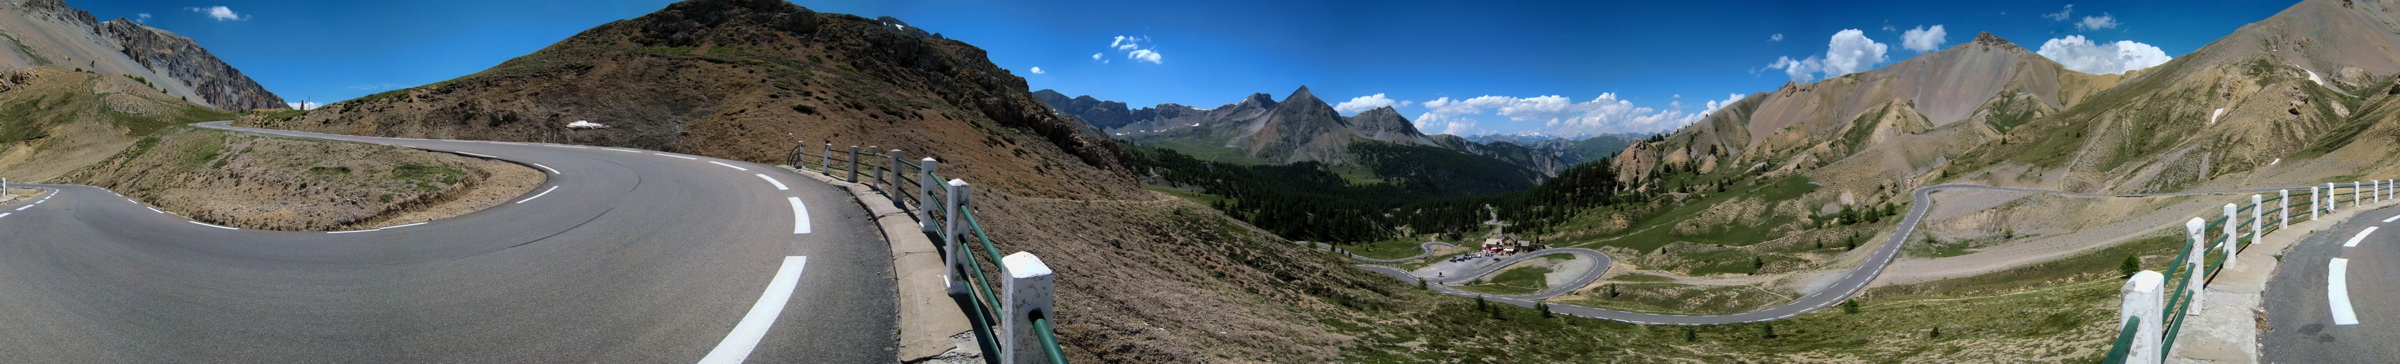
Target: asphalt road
{"type": "Point", "coordinates": [1841, 289]}
{"type": "Point", "coordinates": [2302, 312]}
{"type": "Point", "coordinates": [622, 255]}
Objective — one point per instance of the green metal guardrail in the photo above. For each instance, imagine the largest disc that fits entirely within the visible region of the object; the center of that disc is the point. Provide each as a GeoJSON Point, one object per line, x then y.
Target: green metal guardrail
{"type": "Point", "coordinates": [984, 309]}
{"type": "Point", "coordinates": [2178, 302]}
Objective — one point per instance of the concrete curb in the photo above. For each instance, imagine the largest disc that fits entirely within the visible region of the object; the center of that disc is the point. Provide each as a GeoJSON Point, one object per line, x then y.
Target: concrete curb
{"type": "Point", "coordinates": [2235, 308]}
{"type": "Point", "coordinates": [931, 324]}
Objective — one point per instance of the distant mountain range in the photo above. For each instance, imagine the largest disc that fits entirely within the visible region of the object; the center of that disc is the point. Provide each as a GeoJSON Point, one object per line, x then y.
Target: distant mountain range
{"type": "Point", "coordinates": [47, 32]}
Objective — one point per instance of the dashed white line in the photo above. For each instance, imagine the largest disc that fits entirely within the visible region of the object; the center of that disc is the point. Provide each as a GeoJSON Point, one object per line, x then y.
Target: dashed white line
{"type": "Point", "coordinates": [2389, 219]}
{"type": "Point", "coordinates": [4, 214]}
{"type": "Point", "coordinates": [2362, 235]}
{"type": "Point", "coordinates": [546, 168]}
{"type": "Point", "coordinates": [2337, 292]}
{"type": "Point", "coordinates": [22, 208]}
{"type": "Point", "coordinates": [539, 195]}
{"type": "Point", "coordinates": [154, 209]}
{"type": "Point", "coordinates": [677, 156]}
{"type": "Point", "coordinates": [745, 336]}
{"type": "Point", "coordinates": [799, 217]}
{"type": "Point", "coordinates": [778, 184]}
{"type": "Point", "coordinates": [738, 168]}
{"type": "Point", "coordinates": [214, 225]}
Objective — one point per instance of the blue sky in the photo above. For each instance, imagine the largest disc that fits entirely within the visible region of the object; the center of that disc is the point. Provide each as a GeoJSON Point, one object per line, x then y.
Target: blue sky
{"type": "Point", "coordinates": [1558, 68]}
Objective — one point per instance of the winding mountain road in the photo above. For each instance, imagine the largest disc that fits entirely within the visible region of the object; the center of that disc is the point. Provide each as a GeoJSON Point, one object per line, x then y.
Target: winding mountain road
{"type": "Point", "coordinates": [1841, 289]}
{"type": "Point", "coordinates": [622, 255]}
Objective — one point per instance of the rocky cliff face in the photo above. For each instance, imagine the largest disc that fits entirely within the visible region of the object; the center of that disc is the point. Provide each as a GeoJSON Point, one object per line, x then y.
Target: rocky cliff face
{"type": "Point", "coordinates": [48, 32]}
{"type": "Point", "coordinates": [181, 59]}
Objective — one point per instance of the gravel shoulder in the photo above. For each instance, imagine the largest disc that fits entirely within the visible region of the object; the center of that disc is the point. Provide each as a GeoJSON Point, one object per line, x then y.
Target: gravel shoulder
{"type": "Point", "coordinates": [269, 183]}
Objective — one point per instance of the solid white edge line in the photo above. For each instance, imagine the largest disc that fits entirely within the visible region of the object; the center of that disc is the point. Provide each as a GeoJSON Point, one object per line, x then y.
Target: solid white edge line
{"type": "Point", "coordinates": [2337, 292]}
{"type": "Point", "coordinates": [546, 168]}
{"type": "Point", "coordinates": [399, 226]}
{"type": "Point", "coordinates": [778, 184]}
{"type": "Point", "coordinates": [738, 168]}
{"type": "Point", "coordinates": [799, 216]}
{"type": "Point", "coordinates": [677, 156]}
{"type": "Point", "coordinates": [745, 335]}
{"type": "Point", "coordinates": [2362, 235]}
{"type": "Point", "coordinates": [352, 231]}
{"type": "Point", "coordinates": [479, 155]}
{"type": "Point", "coordinates": [214, 225]}
{"type": "Point", "coordinates": [539, 195]}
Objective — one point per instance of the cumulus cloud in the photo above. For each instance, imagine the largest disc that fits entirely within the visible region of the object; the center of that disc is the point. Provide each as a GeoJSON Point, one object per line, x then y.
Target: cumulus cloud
{"type": "Point", "coordinates": [220, 13]}
{"type": "Point", "coordinates": [1923, 39]}
{"type": "Point", "coordinates": [1134, 49]}
{"type": "Point", "coordinates": [1559, 115]}
{"type": "Point", "coordinates": [1777, 37]}
{"type": "Point", "coordinates": [2062, 14]}
{"type": "Point", "coordinates": [1368, 102]}
{"type": "Point", "coordinates": [2081, 55]}
{"type": "Point", "coordinates": [2091, 23]}
{"type": "Point", "coordinates": [1848, 52]}
{"type": "Point", "coordinates": [1038, 71]}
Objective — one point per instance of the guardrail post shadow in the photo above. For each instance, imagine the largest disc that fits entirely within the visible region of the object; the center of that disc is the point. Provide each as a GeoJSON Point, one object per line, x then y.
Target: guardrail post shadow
{"type": "Point", "coordinates": [954, 237]}
{"type": "Point", "coordinates": [2141, 308]}
{"type": "Point", "coordinates": [1026, 294]}
{"type": "Point", "coordinates": [793, 156]}
{"type": "Point", "coordinates": [2199, 260]}
{"type": "Point", "coordinates": [853, 165]}
{"type": "Point", "coordinates": [894, 182]}
{"type": "Point", "coordinates": [2233, 234]}
{"type": "Point", "coordinates": [925, 207]}
{"type": "Point", "coordinates": [878, 178]}
{"type": "Point", "coordinates": [2286, 210]}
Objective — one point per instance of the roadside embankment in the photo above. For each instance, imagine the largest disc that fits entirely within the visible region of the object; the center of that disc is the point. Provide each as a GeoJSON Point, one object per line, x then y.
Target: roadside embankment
{"type": "Point", "coordinates": [257, 182]}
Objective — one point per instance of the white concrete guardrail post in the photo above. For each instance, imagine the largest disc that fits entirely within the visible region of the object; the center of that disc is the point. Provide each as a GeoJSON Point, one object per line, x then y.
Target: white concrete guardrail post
{"type": "Point", "coordinates": [853, 165]}
{"type": "Point", "coordinates": [894, 170]}
{"type": "Point", "coordinates": [2286, 210]}
{"type": "Point", "coordinates": [1027, 288]}
{"type": "Point", "coordinates": [2354, 199]}
{"type": "Point", "coordinates": [829, 159]}
{"type": "Point", "coordinates": [954, 241]}
{"type": "Point", "coordinates": [925, 188]}
{"type": "Point", "coordinates": [2199, 260]}
{"type": "Point", "coordinates": [2330, 202]}
{"type": "Point", "coordinates": [2233, 234]}
{"type": "Point", "coordinates": [2258, 217]}
{"type": "Point", "coordinates": [2142, 300]}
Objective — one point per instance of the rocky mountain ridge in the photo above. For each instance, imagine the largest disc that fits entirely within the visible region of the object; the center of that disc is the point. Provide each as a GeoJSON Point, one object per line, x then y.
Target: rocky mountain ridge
{"type": "Point", "coordinates": [46, 32]}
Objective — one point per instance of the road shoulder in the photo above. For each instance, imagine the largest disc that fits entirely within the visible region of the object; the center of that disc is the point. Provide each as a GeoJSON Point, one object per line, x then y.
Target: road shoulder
{"type": "Point", "coordinates": [2234, 312]}
{"type": "Point", "coordinates": [932, 327]}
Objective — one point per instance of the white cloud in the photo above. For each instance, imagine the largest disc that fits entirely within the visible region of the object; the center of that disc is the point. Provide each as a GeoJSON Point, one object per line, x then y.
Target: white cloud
{"type": "Point", "coordinates": [305, 106]}
{"type": "Point", "coordinates": [1133, 48]}
{"type": "Point", "coordinates": [2081, 55]}
{"type": "Point", "coordinates": [1561, 116]}
{"type": "Point", "coordinates": [1848, 52]}
{"type": "Point", "coordinates": [141, 17]}
{"type": "Point", "coordinates": [1923, 39]}
{"type": "Point", "coordinates": [1144, 55]}
{"type": "Point", "coordinates": [1368, 102]}
{"type": "Point", "coordinates": [1095, 56]}
{"type": "Point", "coordinates": [2091, 23]}
{"type": "Point", "coordinates": [220, 13]}
{"type": "Point", "coordinates": [2062, 14]}
{"type": "Point", "coordinates": [1038, 71]}
{"type": "Point", "coordinates": [1777, 37]}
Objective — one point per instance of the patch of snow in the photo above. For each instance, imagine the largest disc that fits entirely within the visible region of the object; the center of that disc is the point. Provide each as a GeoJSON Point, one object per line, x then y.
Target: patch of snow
{"type": "Point", "coordinates": [583, 124]}
{"type": "Point", "coordinates": [2312, 76]}
{"type": "Point", "coordinates": [2212, 117]}
{"type": "Point", "coordinates": [2277, 160]}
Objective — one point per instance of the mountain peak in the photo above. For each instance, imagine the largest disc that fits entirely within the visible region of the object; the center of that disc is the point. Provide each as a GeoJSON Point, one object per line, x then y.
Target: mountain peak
{"type": "Point", "coordinates": [1987, 38]}
{"type": "Point", "coordinates": [1300, 93]}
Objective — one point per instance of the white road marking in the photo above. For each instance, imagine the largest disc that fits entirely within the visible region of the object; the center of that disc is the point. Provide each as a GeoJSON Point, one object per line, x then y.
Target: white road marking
{"type": "Point", "coordinates": [479, 155]}
{"type": "Point", "coordinates": [570, 146]}
{"type": "Point", "coordinates": [22, 208]}
{"type": "Point", "coordinates": [352, 231]}
{"type": "Point", "coordinates": [2389, 219]}
{"type": "Point", "coordinates": [738, 168]}
{"type": "Point", "coordinates": [778, 184]}
{"type": "Point", "coordinates": [799, 217]}
{"type": "Point", "coordinates": [677, 156]}
{"type": "Point", "coordinates": [2337, 292]}
{"type": "Point", "coordinates": [154, 209]}
{"type": "Point", "coordinates": [745, 336]}
{"type": "Point", "coordinates": [4, 214]}
{"type": "Point", "coordinates": [623, 150]}
{"type": "Point", "coordinates": [539, 195]}
{"type": "Point", "coordinates": [546, 168]}
{"type": "Point", "coordinates": [2362, 235]}
{"type": "Point", "coordinates": [214, 225]}
{"type": "Point", "coordinates": [400, 226]}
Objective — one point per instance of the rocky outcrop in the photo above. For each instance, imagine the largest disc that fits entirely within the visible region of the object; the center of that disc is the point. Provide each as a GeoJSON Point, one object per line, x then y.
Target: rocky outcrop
{"type": "Point", "coordinates": [179, 58]}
